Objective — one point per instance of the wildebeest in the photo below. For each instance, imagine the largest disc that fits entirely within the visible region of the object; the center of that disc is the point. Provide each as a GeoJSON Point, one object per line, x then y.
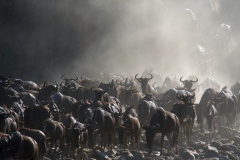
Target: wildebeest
{"type": "Point", "coordinates": [210, 114]}
{"type": "Point", "coordinates": [55, 131]}
{"type": "Point", "coordinates": [23, 147]}
{"type": "Point", "coordinates": [169, 98]}
{"type": "Point", "coordinates": [208, 94]}
{"type": "Point", "coordinates": [146, 108]}
{"type": "Point", "coordinates": [79, 137]}
{"type": "Point", "coordinates": [34, 116]}
{"type": "Point", "coordinates": [46, 91]}
{"type": "Point", "coordinates": [163, 122]}
{"type": "Point", "coordinates": [7, 124]}
{"type": "Point", "coordinates": [186, 114]}
{"type": "Point", "coordinates": [188, 84]}
{"type": "Point", "coordinates": [226, 105]}
{"type": "Point", "coordinates": [64, 103]}
{"type": "Point", "coordinates": [130, 128]}
{"type": "Point", "coordinates": [104, 123]}
{"type": "Point", "coordinates": [146, 87]}
{"type": "Point", "coordinates": [38, 136]}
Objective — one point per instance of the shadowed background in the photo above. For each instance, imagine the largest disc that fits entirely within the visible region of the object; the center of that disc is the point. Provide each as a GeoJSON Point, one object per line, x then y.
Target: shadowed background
{"type": "Point", "coordinates": [41, 40]}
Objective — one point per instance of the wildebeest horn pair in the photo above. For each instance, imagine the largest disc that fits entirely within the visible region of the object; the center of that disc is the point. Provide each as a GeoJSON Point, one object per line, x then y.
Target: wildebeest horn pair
{"type": "Point", "coordinates": [94, 90]}
{"type": "Point", "coordinates": [187, 80]}
{"type": "Point", "coordinates": [142, 78]}
{"type": "Point", "coordinates": [63, 77]}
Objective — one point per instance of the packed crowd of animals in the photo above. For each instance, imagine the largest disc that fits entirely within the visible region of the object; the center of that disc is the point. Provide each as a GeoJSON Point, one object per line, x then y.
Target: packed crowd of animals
{"type": "Point", "coordinates": [82, 113]}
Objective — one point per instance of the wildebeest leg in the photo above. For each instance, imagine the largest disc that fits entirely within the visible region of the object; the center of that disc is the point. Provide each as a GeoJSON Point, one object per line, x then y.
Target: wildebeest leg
{"type": "Point", "coordinates": [187, 133]}
{"type": "Point", "coordinates": [137, 139]}
{"type": "Point", "coordinates": [181, 134]}
{"type": "Point", "coordinates": [103, 139]}
{"type": "Point", "coordinates": [169, 135]}
{"type": "Point", "coordinates": [161, 143]}
{"type": "Point", "coordinates": [125, 141]}
{"type": "Point", "coordinates": [132, 141]}
{"type": "Point", "coordinates": [110, 135]}
{"type": "Point", "coordinates": [219, 123]}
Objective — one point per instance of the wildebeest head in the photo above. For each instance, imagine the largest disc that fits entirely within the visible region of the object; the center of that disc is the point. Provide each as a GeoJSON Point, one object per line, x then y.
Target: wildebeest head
{"type": "Point", "coordinates": [144, 82]}
{"type": "Point", "coordinates": [47, 90]}
{"type": "Point", "coordinates": [68, 81]}
{"type": "Point", "coordinates": [99, 93]}
{"type": "Point", "coordinates": [188, 83]}
{"type": "Point", "coordinates": [186, 98]}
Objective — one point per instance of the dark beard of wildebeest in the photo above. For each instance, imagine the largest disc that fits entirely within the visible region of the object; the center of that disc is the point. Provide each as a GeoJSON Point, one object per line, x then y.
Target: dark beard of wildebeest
{"type": "Point", "coordinates": [104, 123]}
{"type": "Point", "coordinates": [146, 87]}
{"type": "Point", "coordinates": [39, 137]}
{"type": "Point", "coordinates": [166, 123]}
{"type": "Point", "coordinates": [188, 84]}
{"type": "Point", "coordinates": [22, 147]}
{"type": "Point", "coordinates": [208, 94]}
{"type": "Point", "coordinates": [56, 131]}
{"type": "Point", "coordinates": [146, 109]}
{"type": "Point", "coordinates": [186, 114]}
{"type": "Point", "coordinates": [226, 104]}
{"type": "Point", "coordinates": [79, 137]}
{"type": "Point", "coordinates": [211, 114]}
{"type": "Point", "coordinates": [8, 124]}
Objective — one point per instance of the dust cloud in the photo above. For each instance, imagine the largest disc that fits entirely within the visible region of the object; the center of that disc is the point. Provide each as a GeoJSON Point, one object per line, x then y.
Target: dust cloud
{"type": "Point", "coordinates": [41, 40]}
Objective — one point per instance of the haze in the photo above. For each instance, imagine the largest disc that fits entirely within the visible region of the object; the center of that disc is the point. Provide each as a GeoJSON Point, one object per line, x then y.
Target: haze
{"type": "Point", "coordinates": [41, 40]}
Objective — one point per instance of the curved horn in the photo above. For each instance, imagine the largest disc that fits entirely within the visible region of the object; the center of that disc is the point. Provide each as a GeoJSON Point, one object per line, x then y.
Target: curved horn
{"type": "Point", "coordinates": [195, 80]}
{"type": "Point", "coordinates": [181, 79]}
{"type": "Point", "coordinates": [151, 77]}
{"type": "Point", "coordinates": [44, 85]}
{"type": "Point", "coordinates": [136, 77]}
{"type": "Point", "coordinates": [63, 77]}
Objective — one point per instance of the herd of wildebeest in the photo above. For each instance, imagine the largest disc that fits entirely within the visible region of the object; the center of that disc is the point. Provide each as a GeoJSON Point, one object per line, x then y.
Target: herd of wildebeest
{"type": "Point", "coordinates": [81, 113]}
